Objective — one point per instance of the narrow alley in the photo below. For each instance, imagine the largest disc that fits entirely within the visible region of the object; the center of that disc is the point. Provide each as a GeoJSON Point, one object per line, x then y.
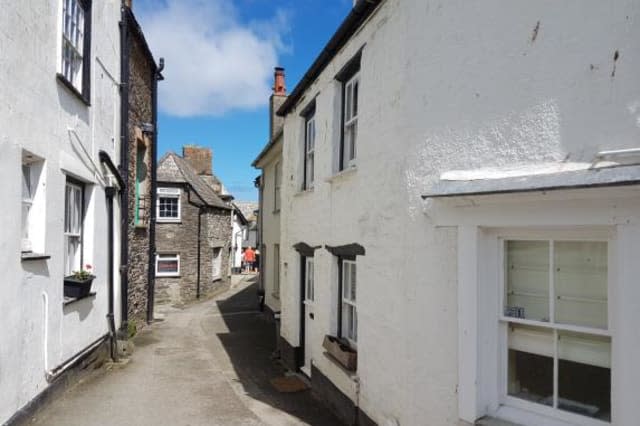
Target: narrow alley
{"type": "Point", "coordinates": [206, 364]}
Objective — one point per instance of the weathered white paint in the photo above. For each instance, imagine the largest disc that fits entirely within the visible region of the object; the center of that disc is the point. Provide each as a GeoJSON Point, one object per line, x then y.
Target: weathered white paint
{"type": "Point", "coordinates": [452, 86]}
{"type": "Point", "coordinates": [270, 221]}
{"type": "Point", "coordinates": [40, 115]}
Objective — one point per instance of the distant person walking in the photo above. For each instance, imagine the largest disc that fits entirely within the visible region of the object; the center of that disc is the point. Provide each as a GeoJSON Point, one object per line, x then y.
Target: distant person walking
{"type": "Point", "coordinates": [249, 259]}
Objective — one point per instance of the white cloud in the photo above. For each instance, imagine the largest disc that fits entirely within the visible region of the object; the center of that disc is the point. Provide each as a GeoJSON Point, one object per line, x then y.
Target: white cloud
{"type": "Point", "coordinates": [214, 62]}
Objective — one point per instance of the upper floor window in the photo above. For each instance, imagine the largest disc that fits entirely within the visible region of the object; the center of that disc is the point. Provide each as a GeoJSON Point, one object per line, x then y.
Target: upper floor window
{"type": "Point", "coordinates": [76, 44]}
{"type": "Point", "coordinates": [309, 149]}
{"type": "Point", "coordinates": [168, 205]}
{"type": "Point", "coordinates": [350, 121]}
{"type": "Point", "coordinates": [349, 76]}
{"type": "Point", "coordinates": [277, 182]}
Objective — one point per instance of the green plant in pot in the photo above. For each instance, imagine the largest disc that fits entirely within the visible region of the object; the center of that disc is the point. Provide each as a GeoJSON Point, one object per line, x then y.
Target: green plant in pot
{"type": "Point", "coordinates": [78, 284]}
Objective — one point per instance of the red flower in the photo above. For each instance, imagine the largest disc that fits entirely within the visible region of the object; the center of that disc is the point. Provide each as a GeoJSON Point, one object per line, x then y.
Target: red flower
{"type": "Point", "coordinates": [88, 267]}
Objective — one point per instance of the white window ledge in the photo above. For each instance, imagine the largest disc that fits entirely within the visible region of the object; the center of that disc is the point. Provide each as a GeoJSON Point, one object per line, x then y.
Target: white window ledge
{"type": "Point", "coordinates": [303, 192]}
{"type": "Point", "coordinates": [342, 174]}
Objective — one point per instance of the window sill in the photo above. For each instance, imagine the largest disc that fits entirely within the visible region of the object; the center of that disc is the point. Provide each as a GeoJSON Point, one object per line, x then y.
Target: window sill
{"type": "Point", "coordinates": [275, 296]}
{"type": "Point", "coordinates": [66, 83]}
{"type": "Point", "coordinates": [342, 174]}
{"type": "Point", "coordinates": [303, 192]}
{"type": "Point", "coordinates": [276, 211]}
{"type": "Point", "coordinates": [26, 256]}
{"type": "Point", "coordinates": [70, 300]}
{"type": "Point", "coordinates": [351, 374]}
{"type": "Point", "coordinates": [160, 221]}
{"type": "Point", "coordinates": [167, 276]}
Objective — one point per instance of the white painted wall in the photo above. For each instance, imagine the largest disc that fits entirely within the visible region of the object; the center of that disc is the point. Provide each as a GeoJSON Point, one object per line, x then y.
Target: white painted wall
{"type": "Point", "coordinates": [36, 114]}
{"type": "Point", "coordinates": [444, 86]}
{"type": "Point", "coordinates": [270, 223]}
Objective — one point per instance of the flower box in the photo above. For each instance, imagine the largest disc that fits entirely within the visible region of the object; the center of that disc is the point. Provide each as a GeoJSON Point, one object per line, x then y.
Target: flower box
{"type": "Point", "coordinates": [77, 288]}
{"type": "Point", "coordinates": [341, 352]}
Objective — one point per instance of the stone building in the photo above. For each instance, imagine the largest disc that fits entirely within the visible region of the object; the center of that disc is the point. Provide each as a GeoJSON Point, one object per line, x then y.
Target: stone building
{"type": "Point", "coordinates": [193, 229]}
{"type": "Point", "coordinates": [140, 111]}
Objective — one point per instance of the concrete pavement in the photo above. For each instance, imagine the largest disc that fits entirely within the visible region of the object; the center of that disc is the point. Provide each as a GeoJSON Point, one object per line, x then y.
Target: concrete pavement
{"type": "Point", "coordinates": [206, 364]}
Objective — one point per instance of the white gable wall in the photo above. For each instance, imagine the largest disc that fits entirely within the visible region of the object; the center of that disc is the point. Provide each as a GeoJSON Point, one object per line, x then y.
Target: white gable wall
{"type": "Point", "coordinates": [444, 86]}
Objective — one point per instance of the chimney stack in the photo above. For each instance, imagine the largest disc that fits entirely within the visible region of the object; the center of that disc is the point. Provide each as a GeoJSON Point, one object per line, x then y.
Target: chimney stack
{"type": "Point", "coordinates": [279, 88]}
{"type": "Point", "coordinates": [200, 158]}
{"type": "Point", "coordinates": [128, 4]}
{"type": "Point", "coordinates": [275, 102]}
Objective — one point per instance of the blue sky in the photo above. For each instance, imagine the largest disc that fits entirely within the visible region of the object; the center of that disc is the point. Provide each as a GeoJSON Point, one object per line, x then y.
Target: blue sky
{"type": "Point", "coordinates": [219, 58]}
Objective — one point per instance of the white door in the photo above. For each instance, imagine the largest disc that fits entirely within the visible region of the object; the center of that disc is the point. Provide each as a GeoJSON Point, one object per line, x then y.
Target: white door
{"type": "Point", "coordinates": [308, 315]}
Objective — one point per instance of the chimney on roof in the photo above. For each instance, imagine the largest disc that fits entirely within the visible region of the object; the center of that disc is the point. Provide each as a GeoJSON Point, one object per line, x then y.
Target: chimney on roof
{"type": "Point", "coordinates": [275, 102]}
{"type": "Point", "coordinates": [200, 158]}
{"type": "Point", "coordinates": [128, 3]}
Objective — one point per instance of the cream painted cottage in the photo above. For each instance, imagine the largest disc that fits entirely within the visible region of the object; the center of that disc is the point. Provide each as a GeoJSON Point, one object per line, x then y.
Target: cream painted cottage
{"type": "Point", "coordinates": [461, 214]}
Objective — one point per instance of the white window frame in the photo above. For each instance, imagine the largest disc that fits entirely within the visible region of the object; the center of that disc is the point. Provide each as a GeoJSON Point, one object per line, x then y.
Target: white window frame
{"type": "Point", "coordinates": [484, 366]}
{"type": "Point", "coordinates": [28, 189]}
{"type": "Point", "coordinates": [309, 282]}
{"type": "Point", "coordinates": [170, 257]}
{"type": "Point", "coordinates": [309, 150]}
{"type": "Point", "coordinates": [171, 193]}
{"type": "Point", "coordinates": [350, 121]}
{"type": "Point", "coordinates": [277, 181]}
{"type": "Point", "coordinates": [276, 270]}
{"type": "Point", "coordinates": [72, 39]}
{"type": "Point", "coordinates": [216, 264]}
{"type": "Point", "coordinates": [349, 329]}
{"type": "Point", "coordinates": [73, 226]}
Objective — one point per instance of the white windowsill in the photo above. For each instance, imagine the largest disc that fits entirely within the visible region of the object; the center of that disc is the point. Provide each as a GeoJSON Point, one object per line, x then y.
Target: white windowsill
{"type": "Point", "coordinates": [342, 174]}
{"type": "Point", "coordinates": [303, 192]}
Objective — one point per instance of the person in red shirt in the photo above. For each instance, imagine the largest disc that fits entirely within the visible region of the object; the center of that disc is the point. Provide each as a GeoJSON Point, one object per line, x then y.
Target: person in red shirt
{"type": "Point", "coordinates": [250, 259]}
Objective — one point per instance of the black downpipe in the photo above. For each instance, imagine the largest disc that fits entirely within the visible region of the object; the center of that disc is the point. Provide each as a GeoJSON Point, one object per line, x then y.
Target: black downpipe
{"type": "Point", "coordinates": [110, 193]}
{"type": "Point", "coordinates": [124, 167]}
{"type": "Point", "coordinates": [151, 283]}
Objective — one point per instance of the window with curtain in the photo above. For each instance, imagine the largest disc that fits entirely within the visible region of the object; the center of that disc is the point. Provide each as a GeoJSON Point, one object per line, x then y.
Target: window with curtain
{"type": "Point", "coordinates": [73, 217]}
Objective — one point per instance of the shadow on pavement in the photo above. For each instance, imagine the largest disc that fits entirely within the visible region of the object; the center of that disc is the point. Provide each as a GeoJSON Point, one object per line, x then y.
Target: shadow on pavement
{"type": "Point", "coordinates": [250, 342]}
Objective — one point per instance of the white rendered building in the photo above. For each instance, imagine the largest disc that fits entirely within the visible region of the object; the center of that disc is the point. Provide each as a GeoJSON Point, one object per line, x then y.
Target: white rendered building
{"type": "Point", "coordinates": [451, 211]}
{"type": "Point", "coordinates": [59, 85]}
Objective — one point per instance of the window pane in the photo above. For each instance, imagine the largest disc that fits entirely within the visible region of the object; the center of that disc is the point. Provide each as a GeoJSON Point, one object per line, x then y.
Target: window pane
{"type": "Point", "coordinates": [346, 279]}
{"type": "Point", "coordinates": [530, 365]}
{"type": "Point", "coordinates": [584, 374]}
{"type": "Point", "coordinates": [527, 286]}
{"type": "Point", "coordinates": [347, 107]}
{"type": "Point", "coordinates": [166, 266]}
{"type": "Point", "coordinates": [26, 183]}
{"type": "Point", "coordinates": [581, 283]}
{"type": "Point", "coordinates": [356, 85]}
{"type": "Point", "coordinates": [352, 294]}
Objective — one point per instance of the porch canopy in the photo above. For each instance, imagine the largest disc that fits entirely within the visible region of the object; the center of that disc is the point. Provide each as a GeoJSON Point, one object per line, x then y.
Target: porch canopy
{"type": "Point", "coordinates": [537, 182]}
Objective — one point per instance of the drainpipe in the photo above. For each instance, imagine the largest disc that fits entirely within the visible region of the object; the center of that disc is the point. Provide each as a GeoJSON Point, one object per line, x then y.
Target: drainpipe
{"type": "Point", "coordinates": [110, 193]}
{"type": "Point", "coordinates": [151, 283]}
{"type": "Point", "coordinates": [124, 168]}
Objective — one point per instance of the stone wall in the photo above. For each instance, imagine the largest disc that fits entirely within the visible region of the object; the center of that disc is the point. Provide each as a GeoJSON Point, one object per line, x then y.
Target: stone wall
{"type": "Point", "coordinates": [141, 71]}
{"type": "Point", "coordinates": [182, 238]}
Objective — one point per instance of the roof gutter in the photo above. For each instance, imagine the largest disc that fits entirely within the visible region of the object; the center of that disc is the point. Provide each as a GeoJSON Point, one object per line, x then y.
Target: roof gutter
{"type": "Point", "coordinates": [358, 15]}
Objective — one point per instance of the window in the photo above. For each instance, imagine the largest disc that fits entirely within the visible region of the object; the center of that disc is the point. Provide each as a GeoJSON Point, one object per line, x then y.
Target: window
{"type": "Point", "coordinates": [309, 286]}
{"type": "Point", "coordinates": [276, 270]}
{"type": "Point", "coordinates": [168, 265]}
{"type": "Point", "coordinates": [73, 226]}
{"type": "Point", "coordinates": [349, 316]}
{"type": "Point", "coordinates": [76, 42]}
{"type": "Point", "coordinates": [350, 121]}
{"type": "Point", "coordinates": [168, 205]}
{"type": "Point", "coordinates": [277, 181]}
{"type": "Point", "coordinates": [555, 310]}
{"type": "Point", "coordinates": [27, 202]}
{"type": "Point", "coordinates": [141, 175]}
{"type": "Point", "coordinates": [216, 272]}
{"type": "Point", "coordinates": [309, 149]}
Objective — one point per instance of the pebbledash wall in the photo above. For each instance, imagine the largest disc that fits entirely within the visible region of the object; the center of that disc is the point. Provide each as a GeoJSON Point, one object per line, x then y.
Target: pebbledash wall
{"type": "Point", "coordinates": [444, 86]}
{"type": "Point", "coordinates": [42, 116]}
{"type": "Point", "coordinates": [182, 239]}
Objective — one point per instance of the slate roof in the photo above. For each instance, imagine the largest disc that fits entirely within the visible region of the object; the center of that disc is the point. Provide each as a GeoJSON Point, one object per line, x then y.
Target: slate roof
{"type": "Point", "coordinates": [174, 169]}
